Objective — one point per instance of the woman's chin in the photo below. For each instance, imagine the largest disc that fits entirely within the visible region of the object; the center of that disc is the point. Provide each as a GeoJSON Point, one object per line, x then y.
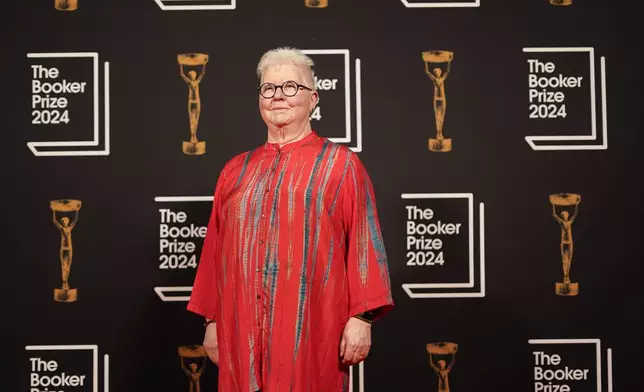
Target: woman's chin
{"type": "Point", "coordinates": [280, 121]}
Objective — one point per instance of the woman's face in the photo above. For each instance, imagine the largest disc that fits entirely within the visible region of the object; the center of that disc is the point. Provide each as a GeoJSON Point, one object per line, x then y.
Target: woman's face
{"type": "Point", "coordinates": [281, 110]}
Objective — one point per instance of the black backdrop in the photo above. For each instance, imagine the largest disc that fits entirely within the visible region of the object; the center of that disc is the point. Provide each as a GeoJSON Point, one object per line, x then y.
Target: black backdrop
{"type": "Point", "coordinates": [116, 261]}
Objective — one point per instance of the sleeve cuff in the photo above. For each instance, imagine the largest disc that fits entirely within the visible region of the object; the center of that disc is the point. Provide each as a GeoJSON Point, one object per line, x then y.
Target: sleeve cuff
{"type": "Point", "coordinates": [201, 311]}
{"type": "Point", "coordinates": [385, 304]}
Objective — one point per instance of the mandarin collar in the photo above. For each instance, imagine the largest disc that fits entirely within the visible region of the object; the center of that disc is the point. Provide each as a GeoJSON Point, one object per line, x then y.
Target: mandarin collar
{"type": "Point", "coordinates": [292, 145]}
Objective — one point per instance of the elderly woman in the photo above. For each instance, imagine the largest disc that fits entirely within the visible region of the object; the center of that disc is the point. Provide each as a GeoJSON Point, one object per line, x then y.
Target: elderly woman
{"type": "Point", "coordinates": [293, 268]}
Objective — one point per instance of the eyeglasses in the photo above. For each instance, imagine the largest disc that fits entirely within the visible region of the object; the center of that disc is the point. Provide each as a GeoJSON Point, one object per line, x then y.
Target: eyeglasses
{"type": "Point", "coordinates": [289, 89]}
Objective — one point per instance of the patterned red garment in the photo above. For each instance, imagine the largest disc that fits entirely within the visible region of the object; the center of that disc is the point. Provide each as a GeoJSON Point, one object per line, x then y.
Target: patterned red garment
{"type": "Point", "coordinates": [293, 250]}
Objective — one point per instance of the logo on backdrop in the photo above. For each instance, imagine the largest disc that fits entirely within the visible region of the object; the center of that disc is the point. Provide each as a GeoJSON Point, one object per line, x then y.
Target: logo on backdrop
{"type": "Point", "coordinates": [197, 61]}
{"type": "Point", "coordinates": [183, 223]}
{"type": "Point", "coordinates": [316, 3]}
{"type": "Point", "coordinates": [65, 105]}
{"type": "Point", "coordinates": [434, 60]}
{"type": "Point", "coordinates": [66, 368]}
{"type": "Point", "coordinates": [199, 5]}
{"type": "Point", "coordinates": [565, 207]}
{"type": "Point", "coordinates": [559, 82]}
{"type": "Point", "coordinates": [336, 109]}
{"type": "Point", "coordinates": [569, 365]}
{"type": "Point", "coordinates": [441, 359]}
{"type": "Point", "coordinates": [193, 363]}
{"type": "Point", "coordinates": [66, 5]}
{"type": "Point", "coordinates": [439, 245]}
{"type": "Point", "coordinates": [440, 4]}
{"type": "Point", "coordinates": [561, 2]}
{"type": "Point", "coordinates": [65, 218]}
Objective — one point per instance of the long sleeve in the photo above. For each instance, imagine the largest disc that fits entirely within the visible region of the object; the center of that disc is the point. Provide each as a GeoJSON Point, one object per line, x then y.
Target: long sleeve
{"type": "Point", "coordinates": [366, 261]}
{"type": "Point", "coordinates": [204, 293]}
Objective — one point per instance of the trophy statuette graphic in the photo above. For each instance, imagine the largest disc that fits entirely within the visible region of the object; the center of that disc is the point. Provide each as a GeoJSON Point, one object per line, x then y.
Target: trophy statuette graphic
{"type": "Point", "coordinates": [440, 367]}
{"type": "Point", "coordinates": [193, 370]}
{"type": "Point", "coordinates": [194, 146]}
{"type": "Point", "coordinates": [65, 294]}
{"type": "Point", "coordinates": [316, 3]}
{"type": "Point", "coordinates": [66, 5]}
{"type": "Point", "coordinates": [561, 2]}
{"type": "Point", "coordinates": [565, 202]}
{"type": "Point", "coordinates": [438, 76]}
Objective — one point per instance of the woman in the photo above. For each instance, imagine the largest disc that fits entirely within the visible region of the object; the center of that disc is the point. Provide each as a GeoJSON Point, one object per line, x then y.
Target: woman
{"type": "Point", "coordinates": [293, 269]}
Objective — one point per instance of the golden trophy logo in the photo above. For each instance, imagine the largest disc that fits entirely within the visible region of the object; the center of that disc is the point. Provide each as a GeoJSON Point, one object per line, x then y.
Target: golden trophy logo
{"type": "Point", "coordinates": [562, 203]}
{"type": "Point", "coordinates": [193, 370]}
{"type": "Point", "coordinates": [316, 3]}
{"type": "Point", "coordinates": [65, 294]}
{"type": "Point", "coordinates": [194, 146]}
{"type": "Point", "coordinates": [433, 59]}
{"type": "Point", "coordinates": [561, 2]}
{"type": "Point", "coordinates": [66, 5]}
{"type": "Point", "coordinates": [441, 367]}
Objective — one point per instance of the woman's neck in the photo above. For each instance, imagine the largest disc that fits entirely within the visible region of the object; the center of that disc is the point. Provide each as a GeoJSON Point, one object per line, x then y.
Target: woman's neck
{"type": "Point", "coordinates": [289, 133]}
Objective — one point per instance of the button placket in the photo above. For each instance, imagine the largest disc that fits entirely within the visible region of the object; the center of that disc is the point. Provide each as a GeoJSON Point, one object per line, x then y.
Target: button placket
{"type": "Point", "coordinates": [264, 229]}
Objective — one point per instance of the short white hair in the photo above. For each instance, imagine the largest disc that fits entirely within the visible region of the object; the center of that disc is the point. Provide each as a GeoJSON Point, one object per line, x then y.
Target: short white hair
{"type": "Point", "coordinates": [287, 55]}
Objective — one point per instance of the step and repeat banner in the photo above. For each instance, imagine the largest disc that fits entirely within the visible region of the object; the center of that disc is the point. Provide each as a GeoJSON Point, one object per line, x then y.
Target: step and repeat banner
{"type": "Point", "coordinates": [501, 138]}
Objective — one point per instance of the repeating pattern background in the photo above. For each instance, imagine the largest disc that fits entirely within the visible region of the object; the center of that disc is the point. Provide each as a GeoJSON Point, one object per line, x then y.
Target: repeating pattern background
{"type": "Point", "coordinates": [121, 325]}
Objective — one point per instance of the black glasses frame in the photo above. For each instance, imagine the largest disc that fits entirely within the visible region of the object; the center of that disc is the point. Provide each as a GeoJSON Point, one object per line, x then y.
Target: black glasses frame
{"type": "Point", "coordinates": [299, 86]}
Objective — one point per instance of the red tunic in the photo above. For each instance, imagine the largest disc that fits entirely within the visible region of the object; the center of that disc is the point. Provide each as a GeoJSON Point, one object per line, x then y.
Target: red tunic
{"type": "Point", "coordinates": [293, 250]}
